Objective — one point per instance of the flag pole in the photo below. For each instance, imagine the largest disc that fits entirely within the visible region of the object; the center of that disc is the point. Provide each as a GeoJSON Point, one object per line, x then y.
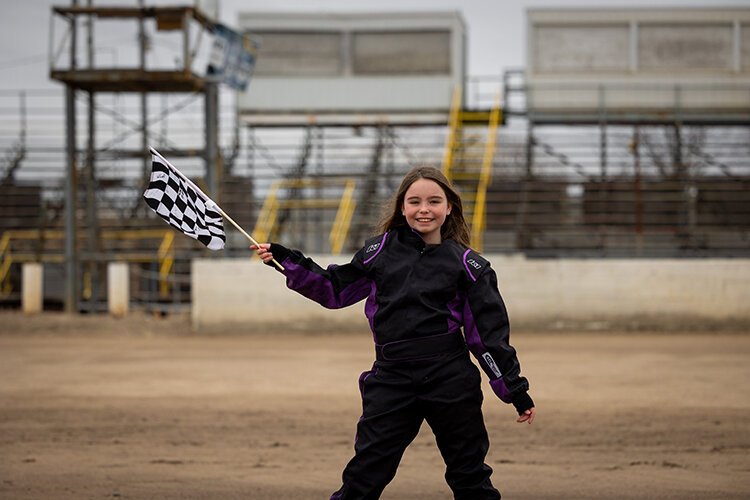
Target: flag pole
{"type": "Point", "coordinates": [218, 208]}
{"type": "Point", "coordinates": [252, 240]}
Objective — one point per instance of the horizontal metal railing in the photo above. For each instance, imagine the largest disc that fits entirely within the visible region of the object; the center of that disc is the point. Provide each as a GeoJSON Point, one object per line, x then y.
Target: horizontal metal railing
{"type": "Point", "coordinates": [562, 100]}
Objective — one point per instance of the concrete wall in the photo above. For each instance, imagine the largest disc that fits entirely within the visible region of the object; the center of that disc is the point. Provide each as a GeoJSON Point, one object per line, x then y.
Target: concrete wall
{"type": "Point", "coordinates": [561, 294]}
{"type": "Point", "coordinates": [247, 295]}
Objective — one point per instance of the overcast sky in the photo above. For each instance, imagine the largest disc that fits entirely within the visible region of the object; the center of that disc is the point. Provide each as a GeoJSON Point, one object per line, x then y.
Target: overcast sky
{"type": "Point", "coordinates": [496, 29]}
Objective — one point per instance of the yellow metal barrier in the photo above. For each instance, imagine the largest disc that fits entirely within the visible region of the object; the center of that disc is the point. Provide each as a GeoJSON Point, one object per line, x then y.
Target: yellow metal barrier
{"type": "Point", "coordinates": [7, 260]}
{"type": "Point", "coordinates": [267, 216]}
{"type": "Point", "coordinates": [166, 261]}
{"type": "Point", "coordinates": [343, 220]}
{"type": "Point", "coordinates": [7, 257]}
{"type": "Point", "coordinates": [266, 225]}
{"type": "Point", "coordinates": [164, 256]}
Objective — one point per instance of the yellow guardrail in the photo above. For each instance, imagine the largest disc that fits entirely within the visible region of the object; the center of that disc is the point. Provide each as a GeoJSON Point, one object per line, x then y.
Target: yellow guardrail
{"type": "Point", "coordinates": [164, 256]}
{"type": "Point", "coordinates": [268, 213]}
{"type": "Point", "coordinates": [265, 226]}
{"type": "Point", "coordinates": [343, 220]}
{"type": "Point", "coordinates": [7, 260]}
{"type": "Point", "coordinates": [166, 261]}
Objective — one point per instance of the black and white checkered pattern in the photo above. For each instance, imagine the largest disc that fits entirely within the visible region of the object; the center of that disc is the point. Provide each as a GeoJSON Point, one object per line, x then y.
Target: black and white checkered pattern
{"type": "Point", "coordinates": [177, 200]}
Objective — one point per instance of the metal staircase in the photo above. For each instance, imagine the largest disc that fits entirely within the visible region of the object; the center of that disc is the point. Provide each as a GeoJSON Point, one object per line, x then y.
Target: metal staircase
{"type": "Point", "coordinates": [331, 198]}
{"type": "Point", "coordinates": [467, 162]}
{"type": "Point", "coordinates": [267, 227]}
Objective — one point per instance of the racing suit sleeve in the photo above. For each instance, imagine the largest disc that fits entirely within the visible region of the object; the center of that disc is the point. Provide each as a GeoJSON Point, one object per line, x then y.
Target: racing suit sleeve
{"type": "Point", "coordinates": [333, 288]}
{"type": "Point", "coordinates": [487, 332]}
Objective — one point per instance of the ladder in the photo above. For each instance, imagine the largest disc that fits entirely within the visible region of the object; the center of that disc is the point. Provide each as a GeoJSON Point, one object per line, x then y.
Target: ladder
{"type": "Point", "coordinates": [467, 161]}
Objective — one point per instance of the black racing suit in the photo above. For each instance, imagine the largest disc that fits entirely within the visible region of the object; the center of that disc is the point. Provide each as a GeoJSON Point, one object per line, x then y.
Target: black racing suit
{"type": "Point", "coordinates": [418, 298]}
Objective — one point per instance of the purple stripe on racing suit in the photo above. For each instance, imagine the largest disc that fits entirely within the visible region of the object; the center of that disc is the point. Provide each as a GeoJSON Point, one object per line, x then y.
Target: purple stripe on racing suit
{"type": "Point", "coordinates": [317, 287]}
{"type": "Point", "coordinates": [467, 265]}
{"type": "Point", "coordinates": [380, 248]}
{"type": "Point", "coordinates": [371, 308]}
{"type": "Point", "coordinates": [477, 348]}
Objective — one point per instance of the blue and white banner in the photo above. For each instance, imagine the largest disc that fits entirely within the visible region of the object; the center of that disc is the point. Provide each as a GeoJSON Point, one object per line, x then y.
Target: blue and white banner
{"type": "Point", "coordinates": [232, 58]}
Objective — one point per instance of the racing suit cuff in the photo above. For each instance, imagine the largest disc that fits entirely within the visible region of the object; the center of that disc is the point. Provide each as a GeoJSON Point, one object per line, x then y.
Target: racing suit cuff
{"type": "Point", "coordinates": [522, 402]}
{"type": "Point", "coordinates": [280, 253]}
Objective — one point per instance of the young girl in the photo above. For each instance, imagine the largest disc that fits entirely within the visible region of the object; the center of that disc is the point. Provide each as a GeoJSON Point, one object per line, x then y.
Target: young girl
{"type": "Point", "coordinates": [422, 284]}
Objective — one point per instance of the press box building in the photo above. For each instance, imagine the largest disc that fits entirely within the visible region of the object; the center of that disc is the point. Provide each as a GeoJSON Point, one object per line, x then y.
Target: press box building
{"type": "Point", "coordinates": [353, 68]}
{"type": "Point", "coordinates": [689, 64]}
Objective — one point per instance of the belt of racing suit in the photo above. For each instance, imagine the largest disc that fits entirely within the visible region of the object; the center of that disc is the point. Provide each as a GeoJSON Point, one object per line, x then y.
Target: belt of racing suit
{"type": "Point", "coordinates": [420, 348]}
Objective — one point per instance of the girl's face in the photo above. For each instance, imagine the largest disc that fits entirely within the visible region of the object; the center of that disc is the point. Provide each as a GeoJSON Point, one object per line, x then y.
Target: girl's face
{"type": "Point", "coordinates": [425, 208]}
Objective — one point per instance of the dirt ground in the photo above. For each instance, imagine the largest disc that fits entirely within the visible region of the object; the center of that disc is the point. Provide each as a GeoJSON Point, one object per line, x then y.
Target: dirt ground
{"type": "Point", "coordinates": [144, 409]}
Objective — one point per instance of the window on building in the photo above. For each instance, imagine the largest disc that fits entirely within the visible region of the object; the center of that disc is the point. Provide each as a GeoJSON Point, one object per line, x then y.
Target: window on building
{"type": "Point", "coordinates": [581, 48]}
{"type": "Point", "coordinates": [401, 53]}
{"type": "Point", "coordinates": [290, 53]}
{"type": "Point", "coordinates": [688, 47]}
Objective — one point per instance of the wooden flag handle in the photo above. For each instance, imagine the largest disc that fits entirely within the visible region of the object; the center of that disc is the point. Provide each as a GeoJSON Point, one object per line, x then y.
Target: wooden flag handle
{"type": "Point", "coordinates": [213, 203]}
{"type": "Point", "coordinates": [252, 240]}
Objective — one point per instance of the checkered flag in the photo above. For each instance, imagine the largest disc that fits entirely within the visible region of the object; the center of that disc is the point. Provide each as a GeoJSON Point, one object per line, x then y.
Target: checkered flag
{"type": "Point", "coordinates": [182, 205]}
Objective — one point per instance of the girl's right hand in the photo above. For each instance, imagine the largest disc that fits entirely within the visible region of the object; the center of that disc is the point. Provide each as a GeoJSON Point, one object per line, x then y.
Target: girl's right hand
{"type": "Point", "coordinates": [527, 416]}
{"type": "Point", "coordinates": [264, 251]}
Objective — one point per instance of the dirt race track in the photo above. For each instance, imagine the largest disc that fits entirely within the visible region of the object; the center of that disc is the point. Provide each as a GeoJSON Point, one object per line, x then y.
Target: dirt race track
{"type": "Point", "coordinates": [143, 409]}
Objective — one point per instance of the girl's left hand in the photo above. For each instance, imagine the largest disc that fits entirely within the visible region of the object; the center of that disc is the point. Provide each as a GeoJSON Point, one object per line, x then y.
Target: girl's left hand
{"type": "Point", "coordinates": [527, 416]}
{"type": "Point", "coordinates": [264, 251]}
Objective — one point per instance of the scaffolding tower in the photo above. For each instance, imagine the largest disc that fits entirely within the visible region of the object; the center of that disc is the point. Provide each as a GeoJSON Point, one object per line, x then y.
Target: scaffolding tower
{"type": "Point", "coordinates": [141, 80]}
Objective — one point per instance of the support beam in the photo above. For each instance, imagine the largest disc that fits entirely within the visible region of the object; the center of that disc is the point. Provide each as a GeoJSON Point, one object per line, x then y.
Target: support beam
{"type": "Point", "coordinates": [212, 140]}
{"type": "Point", "coordinates": [71, 183]}
{"type": "Point", "coordinates": [71, 206]}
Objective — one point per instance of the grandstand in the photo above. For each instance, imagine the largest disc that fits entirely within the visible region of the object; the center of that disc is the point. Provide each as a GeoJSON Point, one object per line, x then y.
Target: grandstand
{"type": "Point", "coordinates": [595, 149]}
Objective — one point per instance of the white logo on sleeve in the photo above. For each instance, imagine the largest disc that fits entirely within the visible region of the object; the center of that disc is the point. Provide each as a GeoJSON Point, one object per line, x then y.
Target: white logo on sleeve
{"type": "Point", "coordinates": [491, 363]}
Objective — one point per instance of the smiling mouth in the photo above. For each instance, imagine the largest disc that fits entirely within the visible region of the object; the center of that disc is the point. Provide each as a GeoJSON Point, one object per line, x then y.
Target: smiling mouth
{"type": "Point", "coordinates": [424, 220]}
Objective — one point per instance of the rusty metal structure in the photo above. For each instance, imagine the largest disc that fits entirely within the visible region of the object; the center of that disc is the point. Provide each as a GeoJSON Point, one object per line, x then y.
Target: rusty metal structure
{"type": "Point", "coordinates": [142, 80]}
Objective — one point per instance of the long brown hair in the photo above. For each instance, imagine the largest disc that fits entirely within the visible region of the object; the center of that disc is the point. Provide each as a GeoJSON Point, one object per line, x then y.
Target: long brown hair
{"type": "Point", "coordinates": [454, 227]}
